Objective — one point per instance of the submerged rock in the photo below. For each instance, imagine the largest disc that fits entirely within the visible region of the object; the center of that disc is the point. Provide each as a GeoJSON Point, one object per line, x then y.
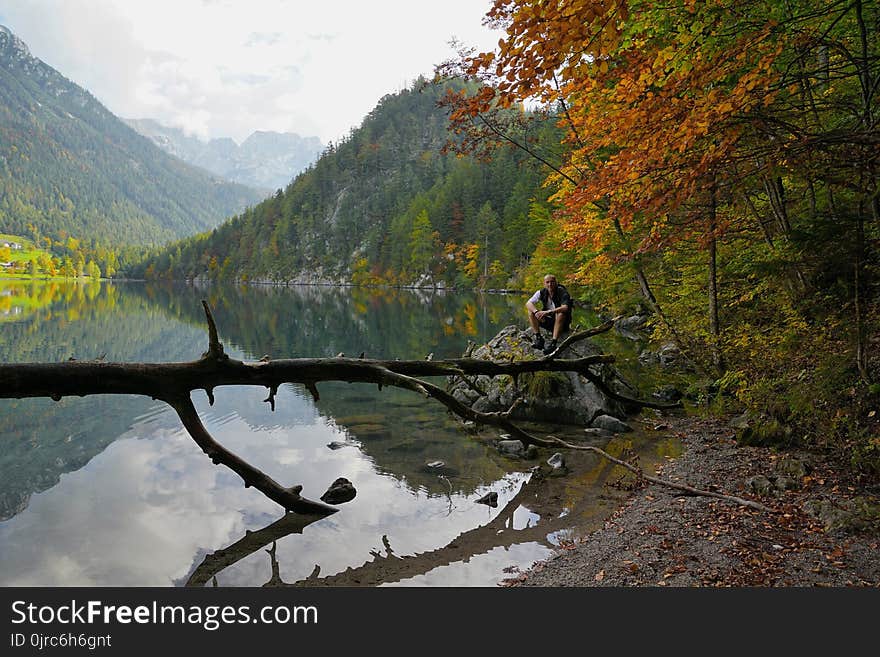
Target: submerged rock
{"type": "Point", "coordinates": [557, 463]}
{"type": "Point", "coordinates": [340, 491]}
{"type": "Point", "coordinates": [516, 449]}
{"type": "Point", "coordinates": [611, 423]}
{"type": "Point", "coordinates": [439, 468]}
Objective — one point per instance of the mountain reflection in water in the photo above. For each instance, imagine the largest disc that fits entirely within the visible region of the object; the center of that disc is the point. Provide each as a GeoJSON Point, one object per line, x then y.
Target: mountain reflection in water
{"type": "Point", "coordinates": [111, 491]}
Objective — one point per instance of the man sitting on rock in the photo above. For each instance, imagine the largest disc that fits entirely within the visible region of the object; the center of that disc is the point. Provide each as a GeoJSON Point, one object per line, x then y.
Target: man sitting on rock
{"type": "Point", "coordinates": [554, 316]}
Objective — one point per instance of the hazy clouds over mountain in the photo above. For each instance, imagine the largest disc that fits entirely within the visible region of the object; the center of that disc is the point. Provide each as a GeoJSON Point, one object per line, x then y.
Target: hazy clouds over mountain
{"type": "Point", "coordinates": [266, 160]}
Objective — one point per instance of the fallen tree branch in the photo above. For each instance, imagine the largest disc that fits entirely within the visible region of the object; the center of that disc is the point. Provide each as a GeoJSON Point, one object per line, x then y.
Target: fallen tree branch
{"type": "Point", "coordinates": [215, 349]}
{"type": "Point", "coordinates": [663, 482]}
{"type": "Point", "coordinates": [608, 390]}
{"type": "Point", "coordinates": [173, 383]}
{"type": "Point", "coordinates": [577, 336]}
{"type": "Point", "coordinates": [289, 498]}
{"type": "Point", "coordinates": [161, 380]}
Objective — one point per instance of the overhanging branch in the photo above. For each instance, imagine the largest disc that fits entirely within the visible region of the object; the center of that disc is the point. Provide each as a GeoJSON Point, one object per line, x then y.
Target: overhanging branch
{"type": "Point", "coordinates": [289, 498]}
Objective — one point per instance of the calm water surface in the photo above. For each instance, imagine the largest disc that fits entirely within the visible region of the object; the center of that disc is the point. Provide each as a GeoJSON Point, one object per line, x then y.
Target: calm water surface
{"type": "Point", "coordinates": [111, 491]}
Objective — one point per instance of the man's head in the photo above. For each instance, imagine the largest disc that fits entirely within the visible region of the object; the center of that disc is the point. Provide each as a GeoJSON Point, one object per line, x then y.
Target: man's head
{"type": "Point", "coordinates": [550, 283]}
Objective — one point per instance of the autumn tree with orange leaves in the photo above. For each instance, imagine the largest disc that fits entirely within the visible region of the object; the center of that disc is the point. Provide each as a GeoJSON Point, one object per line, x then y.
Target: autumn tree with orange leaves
{"type": "Point", "coordinates": [721, 157]}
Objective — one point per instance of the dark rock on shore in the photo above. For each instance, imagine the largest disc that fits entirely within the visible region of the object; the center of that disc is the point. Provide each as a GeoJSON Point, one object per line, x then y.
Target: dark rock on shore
{"type": "Point", "coordinates": [668, 394]}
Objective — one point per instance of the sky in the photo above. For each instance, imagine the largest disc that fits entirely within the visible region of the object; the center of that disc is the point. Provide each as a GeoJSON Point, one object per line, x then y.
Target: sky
{"type": "Point", "coordinates": [225, 68]}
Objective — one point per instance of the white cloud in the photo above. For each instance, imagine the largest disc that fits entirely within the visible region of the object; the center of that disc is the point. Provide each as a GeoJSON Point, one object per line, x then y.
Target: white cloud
{"type": "Point", "coordinates": [229, 67]}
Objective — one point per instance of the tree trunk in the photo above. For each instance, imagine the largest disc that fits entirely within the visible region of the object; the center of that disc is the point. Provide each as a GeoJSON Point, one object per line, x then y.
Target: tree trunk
{"type": "Point", "coordinates": [714, 324]}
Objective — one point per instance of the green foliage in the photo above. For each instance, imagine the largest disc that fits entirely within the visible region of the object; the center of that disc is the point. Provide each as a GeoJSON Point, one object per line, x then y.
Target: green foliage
{"type": "Point", "coordinates": [423, 243]}
{"type": "Point", "coordinates": [47, 259]}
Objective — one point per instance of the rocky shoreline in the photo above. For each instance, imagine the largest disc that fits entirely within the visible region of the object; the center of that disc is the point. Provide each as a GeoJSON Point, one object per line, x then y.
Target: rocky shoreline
{"type": "Point", "coordinates": [823, 528]}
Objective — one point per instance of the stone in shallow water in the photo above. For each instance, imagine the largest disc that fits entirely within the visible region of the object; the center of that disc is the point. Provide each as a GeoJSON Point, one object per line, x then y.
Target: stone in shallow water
{"type": "Point", "coordinates": [611, 424]}
{"type": "Point", "coordinates": [557, 465]}
{"type": "Point", "coordinates": [511, 447]}
{"type": "Point", "coordinates": [517, 450]}
{"type": "Point", "coordinates": [439, 468]}
{"type": "Point", "coordinates": [340, 491]}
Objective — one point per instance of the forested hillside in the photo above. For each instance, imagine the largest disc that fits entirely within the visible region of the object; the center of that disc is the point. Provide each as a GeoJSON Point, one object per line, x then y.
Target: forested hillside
{"type": "Point", "coordinates": [385, 205]}
{"type": "Point", "coordinates": [70, 168]}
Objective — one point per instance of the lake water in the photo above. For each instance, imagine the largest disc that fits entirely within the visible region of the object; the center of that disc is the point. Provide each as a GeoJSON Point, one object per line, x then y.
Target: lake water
{"type": "Point", "coordinates": [111, 491]}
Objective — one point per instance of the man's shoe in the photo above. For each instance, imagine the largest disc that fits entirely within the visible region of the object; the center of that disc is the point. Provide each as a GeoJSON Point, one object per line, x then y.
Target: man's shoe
{"type": "Point", "coordinates": [538, 342]}
{"type": "Point", "coordinates": [550, 348]}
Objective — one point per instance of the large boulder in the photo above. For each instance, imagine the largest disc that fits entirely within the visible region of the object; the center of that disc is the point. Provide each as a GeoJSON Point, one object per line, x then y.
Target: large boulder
{"type": "Point", "coordinates": [558, 397]}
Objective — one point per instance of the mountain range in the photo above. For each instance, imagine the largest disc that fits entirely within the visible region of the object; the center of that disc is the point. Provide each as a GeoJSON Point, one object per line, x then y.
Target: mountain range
{"type": "Point", "coordinates": [265, 160]}
{"type": "Point", "coordinates": [69, 167]}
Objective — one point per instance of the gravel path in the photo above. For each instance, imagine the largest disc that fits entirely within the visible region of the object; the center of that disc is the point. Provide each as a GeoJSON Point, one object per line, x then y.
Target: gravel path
{"type": "Point", "coordinates": [824, 532]}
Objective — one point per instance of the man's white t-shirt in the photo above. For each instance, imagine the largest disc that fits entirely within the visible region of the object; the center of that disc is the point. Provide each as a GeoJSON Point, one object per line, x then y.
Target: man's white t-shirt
{"type": "Point", "coordinates": [536, 297]}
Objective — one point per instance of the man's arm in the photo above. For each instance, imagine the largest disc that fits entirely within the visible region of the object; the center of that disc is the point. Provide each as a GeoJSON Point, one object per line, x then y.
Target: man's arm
{"type": "Point", "coordinates": [530, 304]}
{"type": "Point", "coordinates": [564, 304]}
